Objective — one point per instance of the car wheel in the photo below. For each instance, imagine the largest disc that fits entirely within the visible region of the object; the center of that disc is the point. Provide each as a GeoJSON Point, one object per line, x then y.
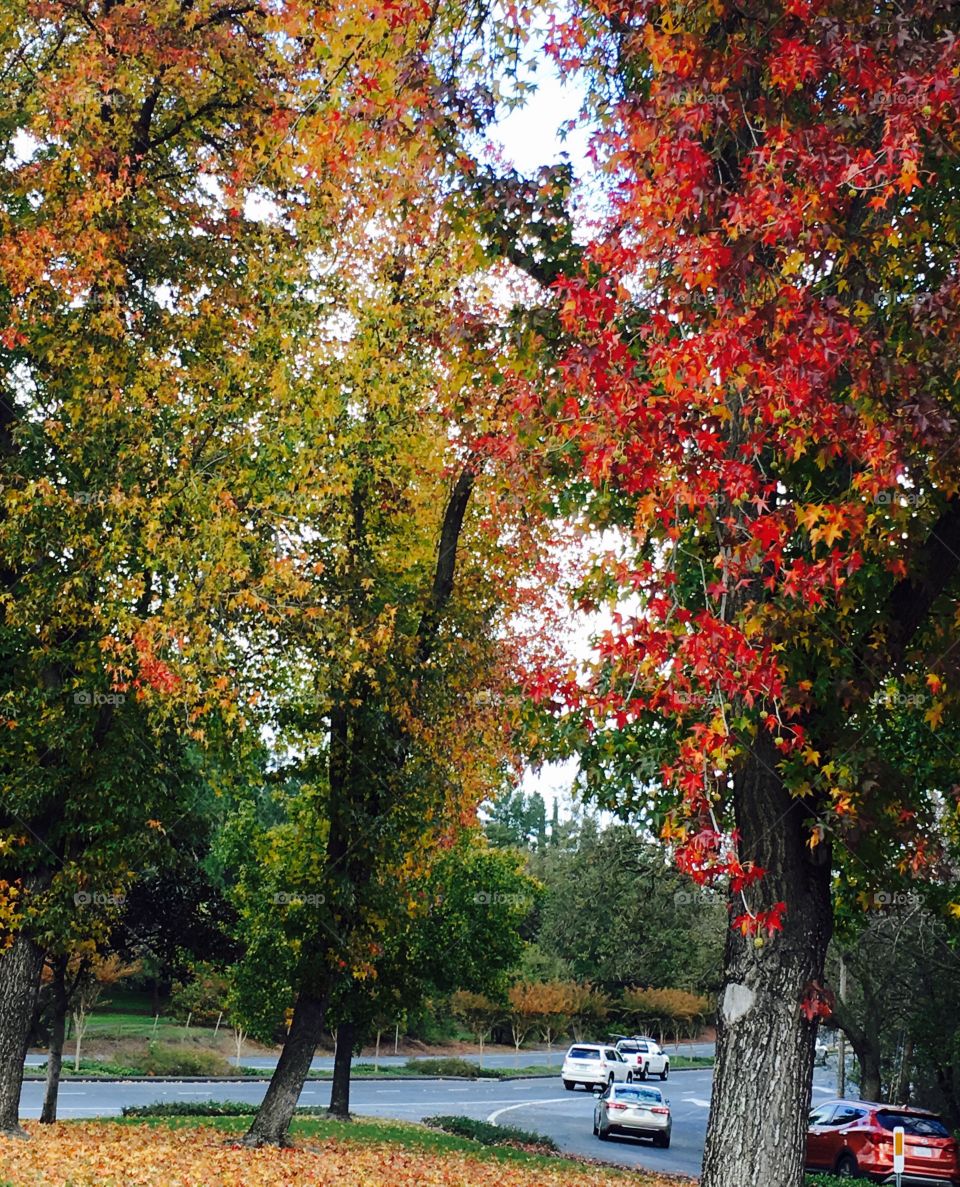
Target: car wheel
{"type": "Point", "coordinates": [610, 1078]}
{"type": "Point", "coordinates": [847, 1167]}
{"type": "Point", "coordinates": [665, 1072]}
{"type": "Point", "coordinates": [663, 1141]}
{"type": "Point", "coordinates": [569, 1085]}
{"type": "Point", "coordinates": [643, 1071]}
{"type": "Point", "coordinates": [596, 1128]}
{"type": "Point", "coordinates": [629, 1077]}
{"type": "Point", "coordinates": [603, 1134]}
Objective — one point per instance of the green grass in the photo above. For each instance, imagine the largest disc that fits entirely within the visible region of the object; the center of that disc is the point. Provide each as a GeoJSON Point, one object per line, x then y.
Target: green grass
{"type": "Point", "coordinates": [376, 1131]}
{"type": "Point", "coordinates": [682, 1061]}
{"type": "Point", "coordinates": [490, 1135]}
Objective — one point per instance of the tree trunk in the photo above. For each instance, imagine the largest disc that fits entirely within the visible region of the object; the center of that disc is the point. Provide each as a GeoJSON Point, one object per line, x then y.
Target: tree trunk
{"type": "Point", "coordinates": [865, 1048]}
{"type": "Point", "coordinates": [20, 967]}
{"type": "Point", "coordinates": [58, 1030]}
{"type": "Point", "coordinates": [271, 1125]}
{"type": "Point", "coordinates": [757, 1127]}
{"type": "Point", "coordinates": [340, 1089]}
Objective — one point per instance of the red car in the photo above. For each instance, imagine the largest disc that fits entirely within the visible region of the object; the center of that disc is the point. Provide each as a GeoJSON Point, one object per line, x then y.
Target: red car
{"type": "Point", "coordinates": [854, 1138]}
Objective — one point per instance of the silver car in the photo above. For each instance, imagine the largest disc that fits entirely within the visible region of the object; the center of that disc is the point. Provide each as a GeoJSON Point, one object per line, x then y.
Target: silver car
{"type": "Point", "coordinates": [634, 1110]}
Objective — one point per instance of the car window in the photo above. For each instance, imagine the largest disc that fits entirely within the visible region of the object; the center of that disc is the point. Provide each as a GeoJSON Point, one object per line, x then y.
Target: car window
{"type": "Point", "coordinates": [651, 1096]}
{"type": "Point", "coordinates": [845, 1115]}
{"type": "Point", "coordinates": [821, 1115]}
{"type": "Point", "coordinates": [921, 1127]}
{"type": "Point", "coordinates": [642, 1047]}
{"type": "Point", "coordinates": [629, 1048]}
{"type": "Point", "coordinates": [583, 1053]}
{"type": "Point", "coordinates": [611, 1054]}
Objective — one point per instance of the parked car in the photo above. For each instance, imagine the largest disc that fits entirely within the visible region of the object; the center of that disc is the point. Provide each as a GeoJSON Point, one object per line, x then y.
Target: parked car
{"type": "Point", "coordinates": [854, 1138]}
{"type": "Point", "coordinates": [594, 1065]}
{"type": "Point", "coordinates": [645, 1057]}
{"type": "Point", "coordinates": [633, 1110]}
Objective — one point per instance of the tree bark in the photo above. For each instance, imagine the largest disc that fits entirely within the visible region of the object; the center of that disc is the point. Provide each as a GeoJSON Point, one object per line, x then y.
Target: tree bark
{"type": "Point", "coordinates": [765, 1045]}
{"type": "Point", "coordinates": [271, 1126]}
{"type": "Point", "coordinates": [58, 1030]}
{"type": "Point", "coordinates": [340, 1089]}
{"type": "Point", "coordinates": [20, 968]}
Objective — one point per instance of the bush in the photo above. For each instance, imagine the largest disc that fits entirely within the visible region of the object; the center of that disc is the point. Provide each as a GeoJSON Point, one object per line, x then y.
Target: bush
{"type": "Point", "coordinates": [202, 998]}
{"type": "Point", "coordinates": [173, 1059]}
{"type": "Point", "coordinates": [201, 1108]}
{"type": "Point", "coordinates": [491, 1135]}
{"type": "Point", "coordinates": [450, 1066]}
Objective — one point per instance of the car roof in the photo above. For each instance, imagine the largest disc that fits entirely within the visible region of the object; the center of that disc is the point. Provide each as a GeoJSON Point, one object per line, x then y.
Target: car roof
{"type": "Point", "coordinates": [912, 1110]}
{"type": "Point", "coordinates": [594, 1046]}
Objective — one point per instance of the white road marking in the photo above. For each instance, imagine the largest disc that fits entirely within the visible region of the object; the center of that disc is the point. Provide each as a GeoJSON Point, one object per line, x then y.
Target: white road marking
{"type": "Point", "coordinates": [525, 1104]}
{"type": "Point", "coordinates": [828, 1091]}
{"type": "Point", "coordinates": [207, 1093]}
{"type": "Point", "coordinates": [696, 1100]}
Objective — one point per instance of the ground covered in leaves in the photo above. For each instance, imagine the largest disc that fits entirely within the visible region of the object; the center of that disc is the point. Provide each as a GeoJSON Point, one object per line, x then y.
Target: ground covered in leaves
{"type": "Point", "coordinates": [106, 1154]}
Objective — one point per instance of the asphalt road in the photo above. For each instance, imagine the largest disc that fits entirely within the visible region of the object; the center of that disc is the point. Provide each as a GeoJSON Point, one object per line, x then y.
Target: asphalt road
{"type": "Point", "coordinates": [536, 1104]}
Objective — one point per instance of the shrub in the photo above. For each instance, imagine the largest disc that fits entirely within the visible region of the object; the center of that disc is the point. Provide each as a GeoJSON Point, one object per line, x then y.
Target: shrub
{"type": "Point", "coordinates": [202, 998]}
{"type": "Point", "coordinates": [490, 1135]}
{"type": "Point", "coordinates": [450, 1066]}
{"type": "Point", "coordinates": [201, 1108]}
{"type": "Point", "coordinates": [173, 1059]}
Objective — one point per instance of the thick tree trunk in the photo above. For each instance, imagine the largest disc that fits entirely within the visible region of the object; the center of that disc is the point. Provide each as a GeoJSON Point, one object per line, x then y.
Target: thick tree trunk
{"type": "Point", "coordinates": [340, 1089]}
{"type": "Point", "coordinates": [58, 1030]}
{"type": "Point", "coordinates": [271, 1126]}
{"type": "Point", "coordinates": [20, 967]}
{"type": "Point", "coordinates": [757, 1128]}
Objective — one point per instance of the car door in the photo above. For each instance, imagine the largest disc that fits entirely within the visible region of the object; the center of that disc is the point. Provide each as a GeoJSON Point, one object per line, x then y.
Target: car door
{"type": "Point", "coordinates": [657, 1061]}
{"type": "Point", "coordinates": [819, 1136]}
{"type": "Point", "coordinates": [615, 1063]}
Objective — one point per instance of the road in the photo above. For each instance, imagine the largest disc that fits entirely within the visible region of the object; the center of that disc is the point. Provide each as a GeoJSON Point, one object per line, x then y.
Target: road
{"type": "Point", "coordinates": [536, 1104]}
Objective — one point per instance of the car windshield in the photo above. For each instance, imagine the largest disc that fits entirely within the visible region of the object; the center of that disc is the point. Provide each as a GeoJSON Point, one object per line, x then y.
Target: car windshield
{"type": "Point", "coordinates": [920, 1127]}
{"type": "Point", "coordinates": [583, 1053]}
{"type": "Point", "coordinates": [628, 1047]}
{"type": "Point", "coordinates": [647, 1096]}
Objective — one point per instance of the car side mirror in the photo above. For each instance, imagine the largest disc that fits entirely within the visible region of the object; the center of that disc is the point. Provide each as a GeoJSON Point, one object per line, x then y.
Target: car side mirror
{"type": "Point", "coordinates": [597, 1093]}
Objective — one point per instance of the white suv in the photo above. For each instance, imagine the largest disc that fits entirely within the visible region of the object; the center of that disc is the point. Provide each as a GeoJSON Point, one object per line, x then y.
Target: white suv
{"type": "Point", "coordinates": [645, 1057]}
{"type": "Point", "coordinates": [594, 1065]}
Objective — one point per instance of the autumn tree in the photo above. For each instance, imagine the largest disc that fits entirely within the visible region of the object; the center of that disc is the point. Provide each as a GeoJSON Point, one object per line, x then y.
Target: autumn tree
{"type": "Point", "coordinates": [756, 399]}
{"type": "Point", "coordinates": [179, 200]}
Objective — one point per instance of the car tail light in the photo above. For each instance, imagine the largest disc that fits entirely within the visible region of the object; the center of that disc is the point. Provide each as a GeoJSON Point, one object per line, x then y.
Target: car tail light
{"type": "Point", "coordinates": [615, 1104]}
{"type": "Point", "coordinates": [660, 1109]}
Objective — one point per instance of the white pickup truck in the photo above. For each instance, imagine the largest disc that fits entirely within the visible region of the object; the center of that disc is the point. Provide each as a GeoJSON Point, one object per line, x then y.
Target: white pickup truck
{"type": "Point", "coordinates": [645, 1057]}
